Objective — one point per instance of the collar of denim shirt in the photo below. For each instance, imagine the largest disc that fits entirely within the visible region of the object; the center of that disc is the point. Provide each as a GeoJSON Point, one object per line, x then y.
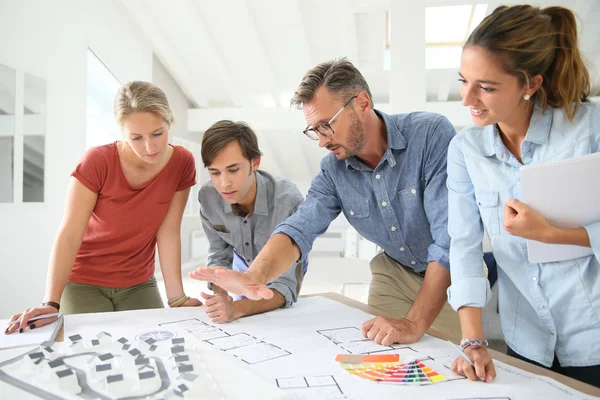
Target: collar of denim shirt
{"type": "Point", "coordinates": [261, 206]}
{"type": "Point", "coordinates": [395, 141]}
{"type": "Point", "coordinates": [538, 132]}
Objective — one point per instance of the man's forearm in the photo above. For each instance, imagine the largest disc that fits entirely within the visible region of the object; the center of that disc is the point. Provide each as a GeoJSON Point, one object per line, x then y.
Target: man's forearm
{"type": "Point", "coordinates": [275, 258]}
{"type": "Point", "coordinates": [431, 297]}
{"type": "Point", "coordinates": [247, 307]}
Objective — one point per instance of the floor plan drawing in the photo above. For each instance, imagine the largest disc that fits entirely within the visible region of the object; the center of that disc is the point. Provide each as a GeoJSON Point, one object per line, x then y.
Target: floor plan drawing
{"type": "Point", "coordinates": [312, 387]}
{"type": "Point", "coordinates": [243, 346]}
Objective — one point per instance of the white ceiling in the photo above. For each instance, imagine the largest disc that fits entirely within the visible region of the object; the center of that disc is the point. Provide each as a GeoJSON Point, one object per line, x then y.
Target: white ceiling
{"type": "Point", "coordinates": [252, 54]}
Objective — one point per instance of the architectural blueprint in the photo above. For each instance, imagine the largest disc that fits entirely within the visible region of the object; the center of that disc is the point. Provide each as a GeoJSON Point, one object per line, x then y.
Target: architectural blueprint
{"type": "Point", "coordinates": [291, 352]}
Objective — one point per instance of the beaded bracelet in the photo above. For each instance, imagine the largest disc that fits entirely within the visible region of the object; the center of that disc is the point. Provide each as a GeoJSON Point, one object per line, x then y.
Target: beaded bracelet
{"type": "Point", "coordinates": [477, 343]}
{"type": "Point", "coordinates": [178, 301]}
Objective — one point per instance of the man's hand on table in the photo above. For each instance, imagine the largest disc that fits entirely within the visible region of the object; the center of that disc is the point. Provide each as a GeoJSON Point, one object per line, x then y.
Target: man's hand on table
{"type": "Point", "coordinates": [386, 331]}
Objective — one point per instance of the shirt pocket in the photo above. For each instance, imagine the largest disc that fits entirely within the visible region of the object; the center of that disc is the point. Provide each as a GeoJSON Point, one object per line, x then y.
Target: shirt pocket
{"type": "Point", "coordinates": [226, 236]}
{"type": "Point", "coordinates": [357, 213]}
{"type": "Point", "coordinates": [411, 206]}
{"type": "Point", "coordinates": [356, 209]}
{"type": "Point", "coordinates": [409, 196]}
{"type": "Point", "coordinates": [488, 202]}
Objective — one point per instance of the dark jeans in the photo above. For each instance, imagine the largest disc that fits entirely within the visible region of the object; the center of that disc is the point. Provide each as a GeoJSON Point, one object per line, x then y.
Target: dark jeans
{"type": "Point", "coordinates": [589, 375]}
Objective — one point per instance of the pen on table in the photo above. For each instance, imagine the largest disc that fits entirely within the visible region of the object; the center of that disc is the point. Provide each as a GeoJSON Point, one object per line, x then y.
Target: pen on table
{"type": "Point", "coordinates": [18, 321]}
{"type": "Point", "coordinates": [461, 353]}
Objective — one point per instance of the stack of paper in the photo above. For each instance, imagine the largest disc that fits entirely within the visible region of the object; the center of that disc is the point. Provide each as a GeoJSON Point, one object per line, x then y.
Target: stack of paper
{"type": "Point", "coordinates": [30, 337]}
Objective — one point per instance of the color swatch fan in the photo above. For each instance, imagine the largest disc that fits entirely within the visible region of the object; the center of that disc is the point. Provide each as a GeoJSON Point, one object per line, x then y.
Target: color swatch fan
{"type": "Point", "coordinates": [386, 368]}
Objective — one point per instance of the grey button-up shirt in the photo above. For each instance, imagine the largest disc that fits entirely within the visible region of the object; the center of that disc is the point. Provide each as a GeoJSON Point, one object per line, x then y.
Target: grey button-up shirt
{"type": "Point", "coordinates": [227, 231]}
{"type": "Point", "coordinates": [401, 204]}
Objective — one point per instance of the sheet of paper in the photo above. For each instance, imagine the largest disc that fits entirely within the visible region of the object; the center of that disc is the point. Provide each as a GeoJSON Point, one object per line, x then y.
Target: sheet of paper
{"type": "Point", "coordinates": [291, 346]}
{"type": "Point", "coordinates": [29, 337]}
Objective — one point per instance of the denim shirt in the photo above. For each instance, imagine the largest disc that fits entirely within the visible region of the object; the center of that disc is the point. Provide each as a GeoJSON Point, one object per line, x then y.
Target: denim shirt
{"type": "Point", "coordinates": [401, 204]}
{"type": "Point", "coordinates": [235, 240]}
{"type": "Point", "coordinates": [547, 308]}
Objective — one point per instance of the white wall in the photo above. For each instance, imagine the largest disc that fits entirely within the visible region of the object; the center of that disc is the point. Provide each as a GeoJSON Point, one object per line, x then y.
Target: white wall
{"type": "Point", "coordinates": [180, 104]}
{"type": "Point", "coordinates": [49, 40]}
{"type": "Point", "coordinates": [177, 100]}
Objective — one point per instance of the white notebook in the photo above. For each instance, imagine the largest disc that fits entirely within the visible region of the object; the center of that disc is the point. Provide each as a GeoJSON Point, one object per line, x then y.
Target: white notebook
{"type": "Point", "coordinates": [30, 337]}
{"type": "Point", "coordinates": [567, 194]}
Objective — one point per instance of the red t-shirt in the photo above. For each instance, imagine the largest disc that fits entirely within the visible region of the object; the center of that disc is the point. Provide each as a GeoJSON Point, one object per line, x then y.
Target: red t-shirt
{"type": "Point", "coordinates": [119, 243]}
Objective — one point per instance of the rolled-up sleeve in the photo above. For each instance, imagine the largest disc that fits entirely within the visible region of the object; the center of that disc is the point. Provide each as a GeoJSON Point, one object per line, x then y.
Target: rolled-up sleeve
{"type": "Point", "coordinates": [435, 193]}
{"type": "Point", "coordinates": [593, 231]}
{"type": "Point", "coordinates": [322, 205]}
{"type": "Point", "coordinates": [469, 285]}
{"type": "Point", "coordinates": [288, 284]}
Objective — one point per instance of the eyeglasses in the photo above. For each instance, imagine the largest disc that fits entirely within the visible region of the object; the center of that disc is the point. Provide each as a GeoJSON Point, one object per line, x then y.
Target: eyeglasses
{"type": "Point", "coordinates": [324, 129]}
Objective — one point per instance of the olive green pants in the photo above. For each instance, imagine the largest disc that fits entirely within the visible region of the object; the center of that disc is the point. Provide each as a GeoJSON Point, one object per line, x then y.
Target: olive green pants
{"type": "Point", "coordinates": [394, 289]}
{"type": "Point", "coordinates": [79, 298]}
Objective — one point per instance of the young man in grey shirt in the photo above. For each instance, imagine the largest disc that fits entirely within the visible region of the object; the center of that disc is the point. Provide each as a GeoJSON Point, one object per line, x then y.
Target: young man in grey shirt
{"type": "Point", "coordinates": [240, 207]}
{"type": "Point", "coordinates": [387, 174]}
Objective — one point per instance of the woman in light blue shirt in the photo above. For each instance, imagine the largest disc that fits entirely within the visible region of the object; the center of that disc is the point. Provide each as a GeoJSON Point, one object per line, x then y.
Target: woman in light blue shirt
{"type": "Point", "coordinates": [527, 90]}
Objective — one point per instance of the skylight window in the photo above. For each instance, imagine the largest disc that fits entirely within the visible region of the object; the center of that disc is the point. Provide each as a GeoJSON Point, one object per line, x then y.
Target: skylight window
{"type": "Point", "coordinates": [446, 30]}
{"type": "Point", "coordinates": [449, 24]}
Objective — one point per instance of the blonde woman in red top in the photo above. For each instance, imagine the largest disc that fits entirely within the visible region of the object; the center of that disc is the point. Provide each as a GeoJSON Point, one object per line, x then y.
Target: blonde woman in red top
{"type": "Point", "coordinates": [123, 200]}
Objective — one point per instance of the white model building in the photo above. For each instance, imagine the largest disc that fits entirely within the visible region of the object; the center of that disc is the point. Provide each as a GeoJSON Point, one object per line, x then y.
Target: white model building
{"type": "Point", "coordinates": [149, 381]}
{"type": "Point", "coordinates": [117, 385]}
{"type": "Point", "coordinates": [66, 380]}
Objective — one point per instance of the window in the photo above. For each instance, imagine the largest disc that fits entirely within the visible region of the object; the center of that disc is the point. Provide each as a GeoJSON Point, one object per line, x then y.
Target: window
{"type": "Point", "coordinates": [30, 105]}
{"type": "Point", "coordinates": [102, 87]}
{"type": "Point", "coordinates": [444, 40]}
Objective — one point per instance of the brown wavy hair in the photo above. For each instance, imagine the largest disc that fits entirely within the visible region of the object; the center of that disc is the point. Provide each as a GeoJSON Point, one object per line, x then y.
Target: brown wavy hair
{"type": "Point", "coordinates": [529, 41]}
{"type": "Point", "coordinates": [223, 132]}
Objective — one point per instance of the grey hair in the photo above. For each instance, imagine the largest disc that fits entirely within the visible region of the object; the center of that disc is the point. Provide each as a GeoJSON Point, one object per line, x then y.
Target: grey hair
{"type": "Point", "coordinates": [339, 76]}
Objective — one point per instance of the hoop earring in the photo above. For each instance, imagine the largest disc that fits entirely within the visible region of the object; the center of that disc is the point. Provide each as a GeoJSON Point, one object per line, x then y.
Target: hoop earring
{"type": "Point", "coordinates": [527, 97]}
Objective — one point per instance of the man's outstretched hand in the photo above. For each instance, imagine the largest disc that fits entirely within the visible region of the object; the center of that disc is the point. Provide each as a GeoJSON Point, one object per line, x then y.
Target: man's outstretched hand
{"type": "Point", "coordinates": [240, 283]}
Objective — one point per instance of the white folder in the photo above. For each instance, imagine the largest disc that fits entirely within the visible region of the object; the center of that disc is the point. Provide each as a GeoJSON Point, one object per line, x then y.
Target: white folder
{"type": "Point", "coordinates": [567, 194]}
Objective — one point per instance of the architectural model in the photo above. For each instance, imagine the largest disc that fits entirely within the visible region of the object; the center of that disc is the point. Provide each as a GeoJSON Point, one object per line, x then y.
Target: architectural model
{"type": "Point", "coordinates": [154, 365]}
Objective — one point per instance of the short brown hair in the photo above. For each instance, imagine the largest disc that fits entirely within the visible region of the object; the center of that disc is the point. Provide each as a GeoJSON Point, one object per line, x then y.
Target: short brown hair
{"type": "Point", "coordinates": [223, 132]}
{"type": "Point", "coordinates": [339, 76]}
{"type": "Point", "coordinates": [139, 96]}
{"type": "Point", "coordinates": [529, 41]}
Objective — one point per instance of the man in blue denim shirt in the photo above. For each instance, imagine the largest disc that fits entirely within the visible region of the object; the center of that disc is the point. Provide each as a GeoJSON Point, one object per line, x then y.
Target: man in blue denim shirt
{"type": "Point", "coordinates": [387, 174]}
